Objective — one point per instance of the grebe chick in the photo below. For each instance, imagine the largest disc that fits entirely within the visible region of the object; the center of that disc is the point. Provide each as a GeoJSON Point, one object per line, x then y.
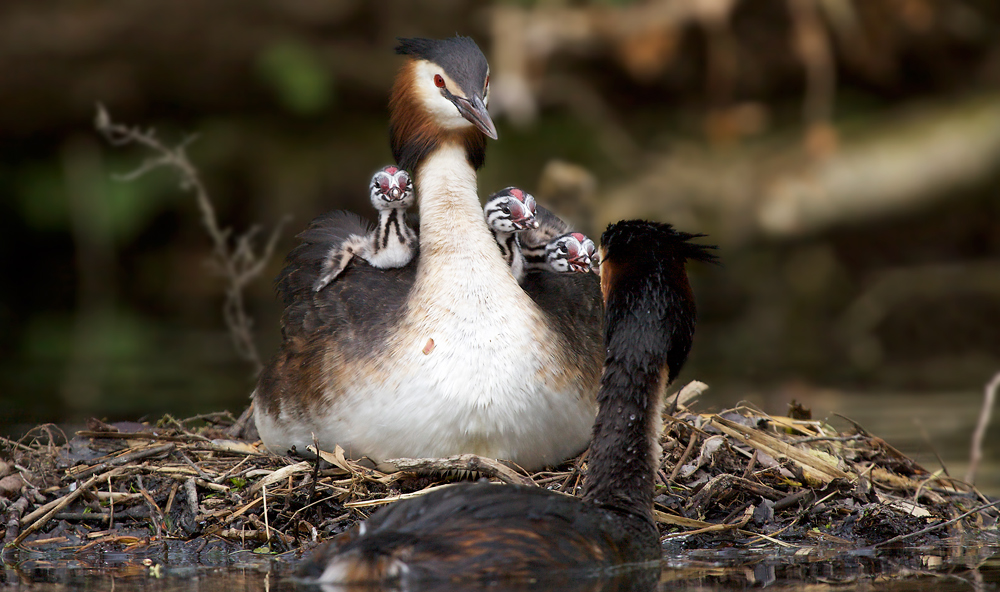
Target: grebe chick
{"type": "Point", "coordinates": [508, 212]}
{"type": "Point", "coordinates": [392, 243]}
{"type": "Point", "coordinates": [485, 531]}
{"type": "Point", "coordinates": [548, 246]}
{"type": "Point", "coordinates": [572, 252]}
{"type": "Point", "coordinates": [447, 354]}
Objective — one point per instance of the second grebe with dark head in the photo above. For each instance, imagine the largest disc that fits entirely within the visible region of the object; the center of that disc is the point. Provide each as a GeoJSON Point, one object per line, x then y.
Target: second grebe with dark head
{"type": "Point", "coordinates": [485, 531]}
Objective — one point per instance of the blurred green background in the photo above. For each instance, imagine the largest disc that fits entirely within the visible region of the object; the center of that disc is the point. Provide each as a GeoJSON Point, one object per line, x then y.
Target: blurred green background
{"type": "Point", "coordinates": [844, 154]}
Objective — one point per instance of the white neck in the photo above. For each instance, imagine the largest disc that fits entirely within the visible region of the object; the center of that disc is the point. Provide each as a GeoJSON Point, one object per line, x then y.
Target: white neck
{"type": "Point", "coordinates": [453, 230]}
{"type": "Point", "coordinates": [462, 278]}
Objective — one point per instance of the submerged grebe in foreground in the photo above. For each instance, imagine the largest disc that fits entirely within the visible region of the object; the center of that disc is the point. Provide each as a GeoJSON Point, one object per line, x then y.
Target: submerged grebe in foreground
{"type": "Point", "coordinates": [490, 531]}
{"type": "Point", "coordinates": [448, 354]}
{"type": "Point", "coordinates": [392, 243]}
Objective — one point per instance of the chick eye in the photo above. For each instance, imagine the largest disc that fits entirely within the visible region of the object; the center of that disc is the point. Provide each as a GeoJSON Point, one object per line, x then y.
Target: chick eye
{"type": "Point", "coordinates": [438, 81]}
{"type": "Point", "coordinates": [486, 87]}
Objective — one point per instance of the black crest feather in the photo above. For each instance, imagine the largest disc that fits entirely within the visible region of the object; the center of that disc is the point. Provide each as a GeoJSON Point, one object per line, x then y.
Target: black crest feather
{"type": "Point", "coordinates": [459, 56]}
{"type": "Point", "coordinates": [639, 235]}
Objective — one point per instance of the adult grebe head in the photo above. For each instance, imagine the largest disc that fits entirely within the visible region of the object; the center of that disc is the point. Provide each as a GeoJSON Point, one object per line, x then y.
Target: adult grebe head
{"type": "Point", "coordinates": [440, 95]}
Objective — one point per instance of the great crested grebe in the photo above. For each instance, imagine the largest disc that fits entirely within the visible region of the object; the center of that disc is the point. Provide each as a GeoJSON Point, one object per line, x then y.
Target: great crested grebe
{"type": "Point", "coordinates": [391, 243]}
{"type": "Point", "coordinates": [448, 354]}
{"type": "Point", "coordinates": [485, 531]}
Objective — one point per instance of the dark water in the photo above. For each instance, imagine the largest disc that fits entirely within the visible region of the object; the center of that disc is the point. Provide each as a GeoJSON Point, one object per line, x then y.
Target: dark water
{"type": "Point", "coordinates": [965, 565]}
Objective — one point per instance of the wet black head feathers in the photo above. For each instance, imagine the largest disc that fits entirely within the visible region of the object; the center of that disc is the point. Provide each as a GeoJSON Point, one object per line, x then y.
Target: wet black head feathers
{"type": "Point", "coordinates": [638, 239]}
{"type": "Point", "coordinates": [643, 268]}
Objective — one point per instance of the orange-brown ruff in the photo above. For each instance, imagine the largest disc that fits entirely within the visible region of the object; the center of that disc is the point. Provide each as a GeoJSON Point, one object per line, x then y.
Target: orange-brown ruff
{"type": "Point", "coordinates": [486, 531]}
{"type": "Point", "coordinates": [448, 354]}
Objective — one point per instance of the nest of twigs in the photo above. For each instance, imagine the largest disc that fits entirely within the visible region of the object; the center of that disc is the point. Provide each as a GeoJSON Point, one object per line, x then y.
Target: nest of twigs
{"type": "Point", "coordinates": [740, 477]}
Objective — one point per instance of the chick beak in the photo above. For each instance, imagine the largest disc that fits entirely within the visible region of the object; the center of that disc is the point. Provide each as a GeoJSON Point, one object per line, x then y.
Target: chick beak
{"type": "Point", "coordinates": [525, 222]}
{"type": "Point", "coordinates": [396, 192]}
{"type": "Point", "coordinates": [523, 219]}
{"type": "Point", "coordinates": [475, 111]}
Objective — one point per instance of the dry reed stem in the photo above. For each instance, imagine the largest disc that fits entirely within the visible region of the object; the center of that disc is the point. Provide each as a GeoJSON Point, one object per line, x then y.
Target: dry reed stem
{"type": "Point", "coordinates": [395, 498]}
{"type": "Point", "coordinates": [934, 527]}
{"type": "Point", "coordinates": [818, 469]}
{"type": "Point", "coordinates": [464, 462]}
{"type": "Point", "coordinates": [747, 515]}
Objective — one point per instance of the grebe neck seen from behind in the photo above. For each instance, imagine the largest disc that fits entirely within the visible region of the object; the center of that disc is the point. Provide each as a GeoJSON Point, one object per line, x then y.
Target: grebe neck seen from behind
{"type": "Point", "coordinates": [485, 531]}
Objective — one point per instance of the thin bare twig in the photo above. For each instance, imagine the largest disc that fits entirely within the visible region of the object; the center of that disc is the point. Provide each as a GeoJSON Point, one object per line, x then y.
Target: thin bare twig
{"type": "Point", "coordinates": [680, 462]}
{"type": "Point", "coordinates": [910, 535]}
{"type": "Point", "coordinates": [829, 439]}
{"type": "Point", "coordinates": [234, 257]}
{"type": "Point", "coordinates": [984, 420]}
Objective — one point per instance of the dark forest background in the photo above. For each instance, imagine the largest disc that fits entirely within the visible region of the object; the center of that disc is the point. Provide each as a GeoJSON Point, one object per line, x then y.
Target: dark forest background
{"type": "Point", "coordinates": [844, 155]}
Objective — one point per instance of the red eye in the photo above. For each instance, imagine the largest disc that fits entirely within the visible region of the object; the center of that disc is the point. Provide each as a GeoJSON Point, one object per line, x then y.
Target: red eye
{"type": "Point", "coordinates": [487, 85]}
{"type": "Point", "coordinates": [438, 81]}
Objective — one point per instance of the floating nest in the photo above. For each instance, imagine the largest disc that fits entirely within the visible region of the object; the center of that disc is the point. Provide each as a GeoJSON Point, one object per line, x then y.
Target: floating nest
{"type": "Point", "coordinates": [737, 478]}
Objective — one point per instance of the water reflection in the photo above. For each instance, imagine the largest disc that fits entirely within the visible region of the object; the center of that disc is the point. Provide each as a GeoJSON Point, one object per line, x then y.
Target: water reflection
{"type": "Point", "coordinates": [963, 565]}
{"type": "Point", "coordinates": [646, 580]}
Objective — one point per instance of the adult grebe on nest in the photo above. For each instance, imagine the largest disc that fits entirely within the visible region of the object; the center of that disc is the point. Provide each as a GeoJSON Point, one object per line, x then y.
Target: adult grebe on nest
{"type": "Point", "coordinates": [485, 531]}
{"type": "Point", "coordinates": [447, 354]}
